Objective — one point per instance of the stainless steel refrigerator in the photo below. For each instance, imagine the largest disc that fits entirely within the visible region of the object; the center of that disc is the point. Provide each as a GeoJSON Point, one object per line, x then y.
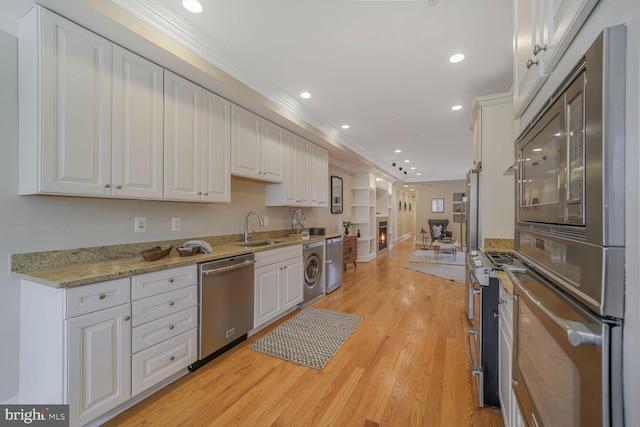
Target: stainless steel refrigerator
{"type": "Point", "coordinates": [472, 212]}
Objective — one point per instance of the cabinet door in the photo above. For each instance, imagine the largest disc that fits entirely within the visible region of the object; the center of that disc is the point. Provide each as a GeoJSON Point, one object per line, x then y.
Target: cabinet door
{"type": "Point", "coordinates": [303, 172]}
{"type": "Point", "coordinates": [504, 389]}
{"type": "Point", "coordinates": [137, 153]}
{"type": "Point", "coordinates": [75, 151]}
{"type": "Point", "coordinates": [318, 187]}
{"type": "Point", "coordinates": [98, 362]}
{"type": "Point", "coordinates": [182, 138]}
{"type": "Point", "coordinates": [245, 143]}
{"type": "Point", "coordinates": [267, 298]}
{"type": "Point", "coordinates": [271, 152]}
{"type": "Point", "coordinates": [292, 290]}
{"type": "Point", "coordinates": [290, 184]}
{"type": "Point", "coordinates": [528, 75]}
{"type": "Point", "coordinates": [216, 146]}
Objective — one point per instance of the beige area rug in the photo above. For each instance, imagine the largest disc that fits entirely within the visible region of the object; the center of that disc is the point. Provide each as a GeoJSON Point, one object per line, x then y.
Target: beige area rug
{"type": "Point", "coordinates": [311, 338]}
{"type": "Point", "coordinates": [429, 257]}
{"type": "Point", "coordinates": [442, 265]}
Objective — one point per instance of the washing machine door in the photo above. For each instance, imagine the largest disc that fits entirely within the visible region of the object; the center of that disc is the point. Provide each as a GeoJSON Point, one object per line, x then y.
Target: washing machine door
{"type": "Point", "coordinates": [312, 269]}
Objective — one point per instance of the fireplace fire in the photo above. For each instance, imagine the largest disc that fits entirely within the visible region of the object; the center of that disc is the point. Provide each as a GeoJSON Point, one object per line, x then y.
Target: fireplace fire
{"type": "Point", "coordinates": [382, 235]}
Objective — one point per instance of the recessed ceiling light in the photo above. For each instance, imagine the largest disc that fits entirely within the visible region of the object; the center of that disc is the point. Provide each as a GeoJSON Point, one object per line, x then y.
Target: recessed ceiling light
{"type": "Point", "coordinates": [193, 6]}
{"type": "Point", "coordinates": [413, 167]}
{"type": "Point", "coordinates": [345, 126]}
{"type": "Point", "coordinates": [398, 151]}
{"type": "Point", "coordinates": [456, 58]}
{"type": "Point", "coordinates": [418, 174]}
{"type": "Point", "coordinates": [407, 161]}
{"type": "Point", "coordinates": [405, 186]}
{"type": "Point", "coordinates": [537, 149]}
{"type": "Point", "coordinates": [456, 107]}
{"type": "Point", "coordinates": [305, 95]}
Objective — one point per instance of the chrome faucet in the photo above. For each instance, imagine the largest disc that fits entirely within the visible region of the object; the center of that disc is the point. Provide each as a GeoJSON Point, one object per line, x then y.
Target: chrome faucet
{"type": "Point", "coordinates": [248, 235]}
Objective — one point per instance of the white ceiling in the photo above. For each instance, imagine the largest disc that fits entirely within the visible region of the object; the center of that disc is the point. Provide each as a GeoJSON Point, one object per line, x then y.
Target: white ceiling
{"type": "Point", "coordinates": [380, 66]}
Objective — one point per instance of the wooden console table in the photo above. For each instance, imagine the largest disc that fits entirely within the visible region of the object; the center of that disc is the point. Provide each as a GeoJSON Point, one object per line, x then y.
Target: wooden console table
{"type": "Point", "coordinates": [349, 250]}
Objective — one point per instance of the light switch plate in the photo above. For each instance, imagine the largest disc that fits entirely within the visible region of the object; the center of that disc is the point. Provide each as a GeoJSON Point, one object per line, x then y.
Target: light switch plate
{"type": "Point", "coordinates": [176, 224]}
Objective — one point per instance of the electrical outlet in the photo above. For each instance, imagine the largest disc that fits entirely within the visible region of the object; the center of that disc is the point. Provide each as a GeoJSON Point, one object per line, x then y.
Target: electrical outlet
{"type": "Point", "coordinates": [265, 219]}
{"type": "Point", "coordinates": [176, 224]}
{"type": "Point", "coordinates": [140, 224]}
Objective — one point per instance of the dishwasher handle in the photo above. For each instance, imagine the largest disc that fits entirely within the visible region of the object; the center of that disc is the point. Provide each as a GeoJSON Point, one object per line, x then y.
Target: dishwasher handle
{"type": "Point", "coordinates": [228, 268]}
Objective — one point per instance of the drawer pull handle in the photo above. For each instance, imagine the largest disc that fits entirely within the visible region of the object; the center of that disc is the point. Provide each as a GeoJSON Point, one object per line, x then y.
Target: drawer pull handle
{"type": "Point", "coordinates": [170, 303]}
{"type": "Point", "coordinates": [126, 318]}
{"type": "Point", "coordinates": [102, 296]}
{"type": "Point", "coordinates": [171, 358]}
{"type": "Point", "coordinates": [171, 327]}
{"type": "Point", "coordinates": [171, 280]}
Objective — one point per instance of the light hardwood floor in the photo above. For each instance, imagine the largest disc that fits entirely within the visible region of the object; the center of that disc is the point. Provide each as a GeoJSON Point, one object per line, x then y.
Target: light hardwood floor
{"type": "Point", "coordinates": [406, 364]}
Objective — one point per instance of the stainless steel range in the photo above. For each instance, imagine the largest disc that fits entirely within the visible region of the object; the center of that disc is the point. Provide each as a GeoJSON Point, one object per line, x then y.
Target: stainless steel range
{"type": "Point", "coordinates": [498, 259]}
{"type": "Point", "coordinates": [484, 289]}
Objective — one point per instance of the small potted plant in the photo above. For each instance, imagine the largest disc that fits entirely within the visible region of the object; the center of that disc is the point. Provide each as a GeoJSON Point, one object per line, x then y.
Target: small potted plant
{"type": "Point", "coordinates": [346, 225]}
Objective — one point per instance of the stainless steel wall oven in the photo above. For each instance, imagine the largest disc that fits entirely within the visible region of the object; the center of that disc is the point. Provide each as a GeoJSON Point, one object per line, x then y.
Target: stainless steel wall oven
{"type": "Point", "coordinates": [569, 236]}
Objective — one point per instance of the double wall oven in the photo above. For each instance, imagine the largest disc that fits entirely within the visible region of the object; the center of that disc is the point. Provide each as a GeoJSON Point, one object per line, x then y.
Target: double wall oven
{"type": "Point", "coordinates": [569, 237]}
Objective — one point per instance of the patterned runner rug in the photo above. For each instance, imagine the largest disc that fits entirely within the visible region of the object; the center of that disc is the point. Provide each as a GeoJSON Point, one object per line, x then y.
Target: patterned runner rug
{"type": "Point", "coordinates": [311, 338]}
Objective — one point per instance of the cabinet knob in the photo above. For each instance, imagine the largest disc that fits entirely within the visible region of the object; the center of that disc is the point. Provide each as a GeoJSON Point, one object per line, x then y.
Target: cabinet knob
{"type": "Point", "coordinates": [171, 280]}
{"type": "Point", "coordinates": [171, 303]}
{"type": "Point", "coordinates": [537, 49]}
{"type": "Point", "coordinates": [119, 187]}
{"type": "Point", "coordinates": [171, 327]}
{"type": "Point", "coordinates": [126, 318]}
{"type": "Point", "coordinates": [206, 194]}
{"type": "Point", "coordinates": [107, 186]}
{"type": "Point", "coordinates": [199, 193]}
{"type": "Point", "coordinates": [531, 63]}
{"type": "Point", "coordinates": [172, 358]}
{"type": "Point", "coordinates": [102, 296]}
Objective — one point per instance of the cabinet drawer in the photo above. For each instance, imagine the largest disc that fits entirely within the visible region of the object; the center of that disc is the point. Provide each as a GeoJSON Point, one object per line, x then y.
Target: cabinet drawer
{"type": "Point", "coordinates": [277, 255]}
{"type": "Point", "coordinates": [157, 363]}
{"type": "Point", "coordinates": [149, 284]}
{"type": "Point", "coordinates": [89, 298]}
{"type": "Point", "coordinates": [155, 307]}
{"type": "Point", "coordinates": [152, 333]}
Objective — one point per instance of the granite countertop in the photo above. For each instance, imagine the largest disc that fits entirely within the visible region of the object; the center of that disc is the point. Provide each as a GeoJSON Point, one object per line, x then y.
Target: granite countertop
{"type": "Point", "coordinates": [506, 282]}
{"type": "Point", "coordinates": [76, 267]}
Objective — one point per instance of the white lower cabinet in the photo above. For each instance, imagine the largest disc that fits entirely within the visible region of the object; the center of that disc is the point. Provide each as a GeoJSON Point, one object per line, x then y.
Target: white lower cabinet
{"type": "Point", "coordinates": [93, 348]}
{"type": "Point", "coordinates": [165, 320]}
{"type": "Point", "coordinates": [75, 347]}
{"type": "Point", "coordinates": [278, 283]}
{"type": "Point", "coordinates": [510, 412]}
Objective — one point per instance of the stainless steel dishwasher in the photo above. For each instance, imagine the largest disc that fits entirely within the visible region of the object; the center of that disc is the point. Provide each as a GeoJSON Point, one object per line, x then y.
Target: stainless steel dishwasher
{"type": "Point", "coordinates": [226, 305]}
{"type": "Point", "coordinates": [333, 259]}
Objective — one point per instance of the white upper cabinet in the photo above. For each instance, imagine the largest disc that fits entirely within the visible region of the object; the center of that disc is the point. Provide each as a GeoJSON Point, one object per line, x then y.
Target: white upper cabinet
{"type": "Point", "coordinates": [196, 142]}
{"type": "Point", "coordinates": [319, 179]}
{"type": "Point", "coordinates": [137, 136]}
{"type": "Point", "coordinates": [272, 152]}
{"type": "Point", "coordinates": [257, 146]}
{"type": "Point", "coordinates": [90, 113]}
{"type": "Point", "coordinates": [294, 190]}
{"type": "Point", "coordinates": [543, 29]}
{"type": "Point", "coordinates": [65, 107]}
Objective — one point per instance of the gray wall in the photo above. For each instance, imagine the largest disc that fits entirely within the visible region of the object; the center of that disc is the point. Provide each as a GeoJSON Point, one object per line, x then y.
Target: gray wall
{"type": "Point", "coordinates": [40, 223]}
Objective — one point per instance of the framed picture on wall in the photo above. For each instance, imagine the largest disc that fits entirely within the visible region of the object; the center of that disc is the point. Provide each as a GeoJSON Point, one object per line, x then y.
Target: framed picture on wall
{"type": "Point", "coordinates": [437, 205]}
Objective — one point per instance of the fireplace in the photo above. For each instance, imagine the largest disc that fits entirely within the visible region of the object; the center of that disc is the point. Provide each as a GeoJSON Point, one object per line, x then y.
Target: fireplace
{"type": "Point", "coordinates": [382, 235]}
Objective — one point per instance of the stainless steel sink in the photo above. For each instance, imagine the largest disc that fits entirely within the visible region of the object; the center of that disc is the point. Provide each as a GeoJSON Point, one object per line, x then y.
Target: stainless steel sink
{"type": "Point", "coordinates": [258, 244]}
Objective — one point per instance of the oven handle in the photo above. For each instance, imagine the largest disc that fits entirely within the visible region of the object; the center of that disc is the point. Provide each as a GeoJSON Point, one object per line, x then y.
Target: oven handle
{"type": "Point", "coordinates": [577, 333]}
{"type": "Point", "coordinates": [474, 369]}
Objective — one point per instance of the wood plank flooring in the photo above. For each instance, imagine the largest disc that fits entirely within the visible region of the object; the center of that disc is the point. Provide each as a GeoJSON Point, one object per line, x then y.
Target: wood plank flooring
{"type": "Point", "coordinates": [405, 365]}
